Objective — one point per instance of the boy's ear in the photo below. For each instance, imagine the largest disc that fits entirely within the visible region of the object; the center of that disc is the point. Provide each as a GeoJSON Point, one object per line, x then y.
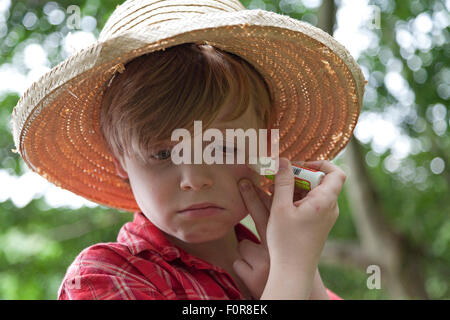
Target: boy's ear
{"type": "Point", "coordinates": [120, 170]}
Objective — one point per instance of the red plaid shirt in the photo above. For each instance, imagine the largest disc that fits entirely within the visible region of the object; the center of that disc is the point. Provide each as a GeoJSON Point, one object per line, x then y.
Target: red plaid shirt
{"type": "Point", "coordinates": [144, 265]}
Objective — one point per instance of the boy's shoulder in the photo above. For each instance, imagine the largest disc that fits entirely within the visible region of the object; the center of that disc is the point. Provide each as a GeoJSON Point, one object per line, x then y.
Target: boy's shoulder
{"type": "Point", "coordinates": [101, 257]}
{"type": "Point", "coordinates": [104, 251]}
{"type": "Point", "coordinates": [103, 270]}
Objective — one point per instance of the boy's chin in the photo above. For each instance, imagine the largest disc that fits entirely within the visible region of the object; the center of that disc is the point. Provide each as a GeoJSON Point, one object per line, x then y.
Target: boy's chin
{"type": "Point", "coordinates": [204, 236]}
{"type": "Point", "coordinates": [200, 238]}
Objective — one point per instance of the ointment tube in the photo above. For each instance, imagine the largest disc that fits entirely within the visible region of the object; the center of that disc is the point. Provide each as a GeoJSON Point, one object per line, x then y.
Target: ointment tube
{"type": "Point", "coordinates": [305, 178]}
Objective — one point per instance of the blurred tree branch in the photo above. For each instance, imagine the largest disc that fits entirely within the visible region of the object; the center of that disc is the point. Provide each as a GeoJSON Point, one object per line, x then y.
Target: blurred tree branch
{"type": "Point", "coordinates": [399, 260]}
{"type": "Point", "coordinates": [345, 253]}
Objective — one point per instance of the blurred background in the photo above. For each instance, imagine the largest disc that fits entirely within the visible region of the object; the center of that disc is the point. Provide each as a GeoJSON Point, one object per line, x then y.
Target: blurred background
{"type": "Point", "coordinates": [391, 240]}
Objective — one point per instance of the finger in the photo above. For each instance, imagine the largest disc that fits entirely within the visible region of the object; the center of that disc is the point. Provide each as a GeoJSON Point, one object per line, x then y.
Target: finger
{"type": "Point", "coordinates": [265, 198]}
{"type": "Point", "coordinates": [298, 192]}
{"type": "Point", "coordinates": [334, 176]}
{"type": "Point", "coordinates": [284, 184]}
{"type": "Point", "coordinates": [256, 208]}
{"type": "Point", "coordinates": [242, 268]}
{"type": "Point", "coordinates": [245, 272]}
{"type": "Point", "coordinates": [318, 199]}
{"type": "Point", "coordinates": [252, 253]}
{"type": "Point", "coordinates": [298, 202]}
{"type": "Point", "coordinates": [298, 163]}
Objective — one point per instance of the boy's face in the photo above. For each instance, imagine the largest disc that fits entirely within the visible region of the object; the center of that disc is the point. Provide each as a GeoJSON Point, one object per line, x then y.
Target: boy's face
{"type": "Point", "coordinates": [161, 189]}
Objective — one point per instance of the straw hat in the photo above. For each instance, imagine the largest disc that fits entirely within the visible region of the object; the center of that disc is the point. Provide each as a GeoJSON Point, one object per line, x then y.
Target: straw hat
{"type": "Point", "coordinates": [316, 86]}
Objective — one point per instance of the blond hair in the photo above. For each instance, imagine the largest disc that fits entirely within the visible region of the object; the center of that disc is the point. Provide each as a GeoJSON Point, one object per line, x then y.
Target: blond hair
{"type": "Point", "coordinates": [164, 90]}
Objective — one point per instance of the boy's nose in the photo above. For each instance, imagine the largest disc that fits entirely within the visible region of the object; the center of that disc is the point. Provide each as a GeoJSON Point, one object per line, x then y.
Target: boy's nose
{"type": "Point", "coordinates": [195, 177]}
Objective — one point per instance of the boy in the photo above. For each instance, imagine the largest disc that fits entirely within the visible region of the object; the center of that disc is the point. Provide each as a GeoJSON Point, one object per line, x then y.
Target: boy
{"type": "Point", "coordinates": [162, 189]}
{"type": "Point", "coordinates": [127, 117]}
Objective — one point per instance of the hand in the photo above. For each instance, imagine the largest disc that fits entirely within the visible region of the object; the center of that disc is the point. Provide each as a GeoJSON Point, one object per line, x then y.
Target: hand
{"type": "Point", "coordinates": [296, 232]}
{"type": "Point", "coordinates": [254, 265]}
{"type": "Point", "coordinates": [253, 268]}
{"type": "Point", "coordinates": [299, 221]}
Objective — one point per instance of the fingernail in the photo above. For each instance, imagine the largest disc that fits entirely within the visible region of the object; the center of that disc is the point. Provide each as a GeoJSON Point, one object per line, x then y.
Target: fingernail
{"type": "Point", "coordinates": [283, 164]}
{"type": "Point", "coordinates": [244, 185]}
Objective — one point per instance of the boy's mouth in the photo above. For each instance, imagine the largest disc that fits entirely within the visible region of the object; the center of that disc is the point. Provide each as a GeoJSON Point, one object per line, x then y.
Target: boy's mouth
{"type": "Point", "coordinates": [200, 206]}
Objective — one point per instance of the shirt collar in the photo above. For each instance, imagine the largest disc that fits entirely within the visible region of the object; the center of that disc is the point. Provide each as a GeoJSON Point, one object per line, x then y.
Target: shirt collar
{"type": "Point", "coordinates": [141, 234]}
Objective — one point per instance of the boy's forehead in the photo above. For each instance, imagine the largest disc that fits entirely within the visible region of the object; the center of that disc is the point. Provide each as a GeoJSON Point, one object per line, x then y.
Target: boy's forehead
{"type": "Point", "coordinates": [222, 127]}
{"type": "Point", "coordinates": [248, 120]}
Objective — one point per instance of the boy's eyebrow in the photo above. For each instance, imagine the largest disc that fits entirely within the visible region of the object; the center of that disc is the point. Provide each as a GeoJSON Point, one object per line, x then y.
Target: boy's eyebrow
{"type": "Point", "coordinates": [222, 127]}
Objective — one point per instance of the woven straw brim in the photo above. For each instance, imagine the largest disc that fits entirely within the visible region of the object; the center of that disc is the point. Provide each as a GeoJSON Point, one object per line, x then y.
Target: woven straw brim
{"type": "Point", "coordinates": [316, 86]}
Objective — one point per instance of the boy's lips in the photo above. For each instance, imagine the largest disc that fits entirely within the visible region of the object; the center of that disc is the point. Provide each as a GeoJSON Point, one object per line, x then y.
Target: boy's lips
{"type": "Point", "coordinates": [202, 205]}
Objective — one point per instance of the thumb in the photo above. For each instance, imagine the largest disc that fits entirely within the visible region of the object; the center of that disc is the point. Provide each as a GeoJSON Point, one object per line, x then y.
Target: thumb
{"type": "Point", "coordinates": [242, 269]}
{"type": "Point", "coordinates": [284, 184]}
{"type": "Point", "coordinates": [244, 272]}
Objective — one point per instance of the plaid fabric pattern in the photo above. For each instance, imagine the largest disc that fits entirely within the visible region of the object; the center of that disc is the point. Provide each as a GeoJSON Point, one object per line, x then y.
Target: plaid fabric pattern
{"type": "Point", "coordinates": [144, 265]}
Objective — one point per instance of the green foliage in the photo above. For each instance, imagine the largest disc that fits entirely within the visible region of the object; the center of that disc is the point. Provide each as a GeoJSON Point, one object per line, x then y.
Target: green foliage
{"type": "Point", "coordinates": [39, 243]}
{"type": "Point", "coordinates": [350, 283]}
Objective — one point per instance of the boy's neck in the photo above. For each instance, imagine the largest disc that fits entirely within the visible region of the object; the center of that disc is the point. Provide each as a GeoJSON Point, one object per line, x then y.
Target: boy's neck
{"type": "Point", "coordinates": [221, 252]}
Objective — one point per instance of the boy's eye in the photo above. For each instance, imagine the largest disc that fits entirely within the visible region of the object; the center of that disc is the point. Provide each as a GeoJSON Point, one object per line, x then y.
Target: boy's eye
{"type": "Point", "coordinates": [162, 154]}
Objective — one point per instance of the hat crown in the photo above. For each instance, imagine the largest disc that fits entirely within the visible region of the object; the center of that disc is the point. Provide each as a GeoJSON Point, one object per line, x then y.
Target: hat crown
{"type": "Point", "coordinates": [136, 14]}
